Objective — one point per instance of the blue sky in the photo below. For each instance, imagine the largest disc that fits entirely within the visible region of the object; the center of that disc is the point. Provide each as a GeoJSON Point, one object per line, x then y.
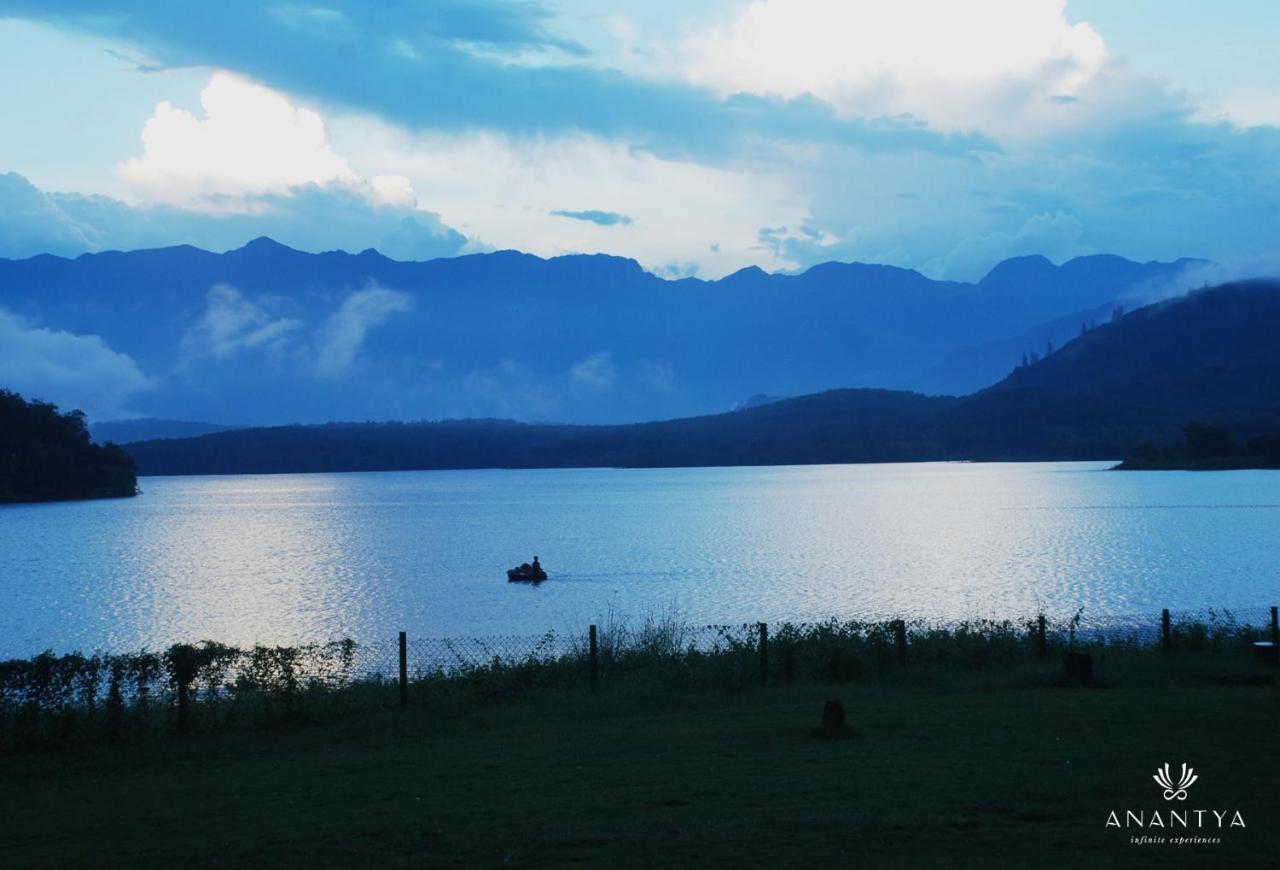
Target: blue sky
{"type": "Point", "coordinates": [696, 138]}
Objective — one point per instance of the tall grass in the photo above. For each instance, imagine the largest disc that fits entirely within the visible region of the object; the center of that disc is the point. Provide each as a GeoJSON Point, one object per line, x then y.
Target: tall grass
{"type": "Point", "coordinates": [49, 700]}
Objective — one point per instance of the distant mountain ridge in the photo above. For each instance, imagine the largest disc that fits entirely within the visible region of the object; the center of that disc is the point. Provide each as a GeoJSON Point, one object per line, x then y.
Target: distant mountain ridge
{"type": "Point", "coordinates": [149, 429]}
{"type": "Point", "coordinates": [265, 333]}
{"type": "Point", "coordinates": [1209, 356]}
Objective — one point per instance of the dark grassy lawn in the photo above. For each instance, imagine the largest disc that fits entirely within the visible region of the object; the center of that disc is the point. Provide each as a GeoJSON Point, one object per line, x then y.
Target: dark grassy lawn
{"type": "Point", "coordinates": [946, 768]}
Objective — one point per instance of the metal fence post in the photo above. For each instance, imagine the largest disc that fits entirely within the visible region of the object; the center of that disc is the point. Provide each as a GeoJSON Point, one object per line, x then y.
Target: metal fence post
{"type": "Point", "coordinates": [1164, 629]}
{"type": "Point", "coordinates": [404, 671]}
{"type": "Point", "coordinates": [595, 658]}
{"type": "Point", "coordinates": [1042, 638]}
{"type": "Point", "coordinates": [900, 638]}
{"type": "Point", "coordinates": [764, 654]}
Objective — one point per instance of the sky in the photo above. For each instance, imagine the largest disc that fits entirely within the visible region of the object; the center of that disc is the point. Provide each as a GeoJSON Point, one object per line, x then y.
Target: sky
{"type": "Point", "coordinates": [697, 138]}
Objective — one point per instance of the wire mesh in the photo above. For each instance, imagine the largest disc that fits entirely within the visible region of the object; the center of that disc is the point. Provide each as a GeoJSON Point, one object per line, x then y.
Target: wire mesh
{"type": "Point", "coordinates": [211, 672]}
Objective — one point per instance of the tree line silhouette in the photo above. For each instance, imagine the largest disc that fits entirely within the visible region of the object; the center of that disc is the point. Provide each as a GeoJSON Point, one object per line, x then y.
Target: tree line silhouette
{"type": "Point", "coordinates": [46, 455]}
{"type": "Point", "coordinates": [1207, 447]}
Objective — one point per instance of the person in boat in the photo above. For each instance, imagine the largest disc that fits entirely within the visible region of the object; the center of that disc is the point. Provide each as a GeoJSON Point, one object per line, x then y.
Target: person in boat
{"type": "Point", "coordinates": [536, 566]}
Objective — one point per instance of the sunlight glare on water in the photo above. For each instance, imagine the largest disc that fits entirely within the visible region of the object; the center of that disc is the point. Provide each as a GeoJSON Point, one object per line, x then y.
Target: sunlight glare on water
{"type": "Point", "coordinates": [296, 558]}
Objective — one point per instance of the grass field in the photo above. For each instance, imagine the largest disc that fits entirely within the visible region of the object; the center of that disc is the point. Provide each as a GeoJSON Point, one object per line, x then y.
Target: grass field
{"type": "Point", "coordinates": [948, 767]}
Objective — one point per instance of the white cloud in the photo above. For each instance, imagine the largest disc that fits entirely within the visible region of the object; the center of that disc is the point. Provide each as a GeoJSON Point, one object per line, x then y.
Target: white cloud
{"type": "Point", "coordinates": [596, 371]}
{"type": "Point", "coordinates": [251, 141]}
{"type": "Point", "coordinates": [982, 64]}
{"type": "Point", "coordinates": [342, 336]}
{"type": "Point", "coordinates": [1056, 236]}
{"type": "Point", "coordinates": [231, 324]}
{"type": "Point", "coordinates": [72, 371]}
{"type": "Point", "coordinates": [502, 192]}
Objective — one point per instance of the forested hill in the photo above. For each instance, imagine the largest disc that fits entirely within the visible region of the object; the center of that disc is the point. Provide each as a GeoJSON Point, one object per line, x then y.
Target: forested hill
{"type": "Point", "coordinates": [1209, 356]}
{"type": "Point", "coordinates": [264, 335]}
{"type": "Point", "coordinates": [47, 456]}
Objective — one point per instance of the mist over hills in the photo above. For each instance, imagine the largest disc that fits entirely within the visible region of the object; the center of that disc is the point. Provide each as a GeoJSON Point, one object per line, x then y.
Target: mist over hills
{"type": "Point", "coordinates": [1208, 356]}
{"type": "Point", "coordinates": [265, 334]}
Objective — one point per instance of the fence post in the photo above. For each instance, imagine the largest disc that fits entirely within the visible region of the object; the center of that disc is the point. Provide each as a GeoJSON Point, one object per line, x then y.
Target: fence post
{"type": "Point", "coordinates": [1042, 638]}
{"type": "Point", "coordinates": [1164, 629]}
{"type": "Point", "coordinates": [900, 638]}
{"type": "Point", "coordinates": [764, 654]}
{"type": "Point", "coordinates": [1275, 626]}
{"type": "Point", "coordinates": [404, 671]}
{"type": "Point", "coordinates": [595, 658]}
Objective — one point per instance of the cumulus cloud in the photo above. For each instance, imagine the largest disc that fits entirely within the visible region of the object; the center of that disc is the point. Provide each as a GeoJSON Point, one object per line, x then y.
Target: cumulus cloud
{"type": "Point", "coordinates": [232, 324]}
{"type": "Point", "coordinates": [595, 372]}
{"type": "Point", "coordinates": [251, 140]}
{"type": "Point", "coordinates": [32, 223]}
{"type": "Point", "coordinates": [72, 371]}
{"type": "Point", "coordinates": [338, 343]}
{"type": "Point", "coordinates": [958, 66]}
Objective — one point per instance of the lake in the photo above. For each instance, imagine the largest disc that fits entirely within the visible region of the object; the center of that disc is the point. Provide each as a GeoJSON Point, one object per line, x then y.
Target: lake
{"type": "Point", "coordinates": [296, 558]}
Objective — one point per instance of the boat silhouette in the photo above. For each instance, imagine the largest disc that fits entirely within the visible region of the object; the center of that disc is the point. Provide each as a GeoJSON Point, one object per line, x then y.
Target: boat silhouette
{"type": "Point", "coordinates": [527, 573]}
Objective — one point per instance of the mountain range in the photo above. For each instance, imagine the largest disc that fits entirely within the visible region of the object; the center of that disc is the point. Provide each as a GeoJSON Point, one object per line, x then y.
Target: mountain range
{"type": "Point", "coordinates": [1210, 355]}
{"type": "Point", "coordinates": [266, 335]}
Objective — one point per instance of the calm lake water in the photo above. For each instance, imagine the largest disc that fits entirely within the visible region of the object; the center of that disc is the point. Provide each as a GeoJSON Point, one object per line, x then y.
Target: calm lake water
{"type": "Point", "coordinates": [293, 558]}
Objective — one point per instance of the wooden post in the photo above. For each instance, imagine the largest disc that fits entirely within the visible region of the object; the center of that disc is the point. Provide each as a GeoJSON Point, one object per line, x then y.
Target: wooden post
{"type": "Point", "coordinates": [184, 707]}
{"type": "Point", "coordinates": [1275, 626]}
{"type": "Point", "coordinates": [764, 654]}
{"type": "Point", "coordinates": [1042, 638]}
{"type": "Point", "coordinates": [404, 672]}
{"type": "Point", "coordinates": [1165, 640]}
{"type": "Point", "coordinates": [595, 658]}
{"type": "Point", "coordinates": [900, 638]}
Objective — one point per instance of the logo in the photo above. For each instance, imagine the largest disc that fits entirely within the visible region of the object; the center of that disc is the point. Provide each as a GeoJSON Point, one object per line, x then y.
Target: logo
{"type": "Point", "coordinates": [1185, 780]}
{"type": "Point", "coordinates": [1176, 824]}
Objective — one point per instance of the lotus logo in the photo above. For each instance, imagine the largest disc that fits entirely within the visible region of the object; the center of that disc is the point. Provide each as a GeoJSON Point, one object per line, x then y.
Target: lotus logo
{"type": "Point", "coordinates": [1174, 791]}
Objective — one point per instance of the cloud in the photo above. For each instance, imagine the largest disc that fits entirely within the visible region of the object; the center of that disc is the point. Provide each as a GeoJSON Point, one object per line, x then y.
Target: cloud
{"type": "Point", "coordinates": [957, 66]}
{"type": "Point", "coordinates": [601, 218]}
{"type": "Point", "coordinates": [232, 324]}
{"type": "Point", "coordinates": [509, 388]}
{"type": "Point", "coordinates": [1054, 235]}
{"type": "Point", "coordinates": [31, 223]}
{"type": "Point", "coordinates": [250, 141]}
{"type": "Point", "coordinates": [338, 343]}
{"type": "Point", "coordinates": [595, 372]}
{"type": "Point", "coordinates": [496, 66]}
{"type": "Point", "coordinates": [659, 374]}
{"type": "Point", "coordinates": [926, 135]}
{"type": "Point", "coordinates": [502, 192]}
{"type": "Point", "coordinates": [309, 218]}
{"type": "Point", "coordinates": [72, 371]}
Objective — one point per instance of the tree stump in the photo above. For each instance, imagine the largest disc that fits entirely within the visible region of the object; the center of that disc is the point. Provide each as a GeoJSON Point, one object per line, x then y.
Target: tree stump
{"type": "Point", "coordinates": [1077, 669]}
{"type": "Point", "coordinates": [833, 722]}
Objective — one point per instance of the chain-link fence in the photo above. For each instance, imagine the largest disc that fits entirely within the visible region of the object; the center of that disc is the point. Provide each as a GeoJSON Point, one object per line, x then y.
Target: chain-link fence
{"type": "Point", "coordinates": [665, 637]}
{"type": "Point", "coordinates": [210, 683]}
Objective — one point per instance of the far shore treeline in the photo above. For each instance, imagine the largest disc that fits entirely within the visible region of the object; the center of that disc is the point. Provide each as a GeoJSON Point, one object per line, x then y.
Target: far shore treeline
{"type": "Point", "coordinates": [1206, 448]}
{"type": "Point", "coordinates": [47, 456]}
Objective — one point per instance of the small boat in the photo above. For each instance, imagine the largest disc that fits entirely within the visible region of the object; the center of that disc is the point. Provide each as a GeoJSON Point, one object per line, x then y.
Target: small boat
{"type": "Point", "coordinates": [527, 573]}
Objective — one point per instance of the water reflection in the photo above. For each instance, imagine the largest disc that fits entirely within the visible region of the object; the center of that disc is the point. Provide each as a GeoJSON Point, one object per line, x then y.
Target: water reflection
{"type": "Point", "coordinates": [297, 558]}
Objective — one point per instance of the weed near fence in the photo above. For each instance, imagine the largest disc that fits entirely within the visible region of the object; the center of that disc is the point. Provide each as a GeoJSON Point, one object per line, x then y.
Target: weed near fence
{"type": "Point", "coordinates": [52, 700]}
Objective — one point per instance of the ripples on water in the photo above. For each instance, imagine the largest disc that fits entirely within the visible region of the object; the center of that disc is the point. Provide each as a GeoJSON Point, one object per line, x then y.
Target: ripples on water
{"type": "Point", "coordinates": [292, 558]}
